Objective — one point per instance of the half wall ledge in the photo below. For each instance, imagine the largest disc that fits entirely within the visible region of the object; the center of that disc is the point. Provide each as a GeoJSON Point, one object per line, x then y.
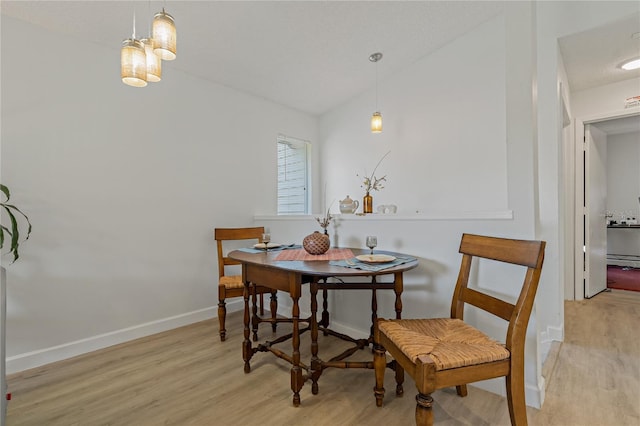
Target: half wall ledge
{"type": "Point", "coordinates": [426, 216]}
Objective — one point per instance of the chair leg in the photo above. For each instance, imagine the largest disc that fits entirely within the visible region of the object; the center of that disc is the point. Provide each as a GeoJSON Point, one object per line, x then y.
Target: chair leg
{"type": "Point", "coordinates": [379, 365]}
{"type": "Point", "coordinates": [516, 400]}
{"type": "Point", "coordinates": [461, 390]}
{"type": "Point", "coordinates": [222, 313]}
{"type": "Point", "coordinates": [261, 304]}
{"type": "Point", "coordinates": [424, 410]}
{"type": "Point", "coordinates": [274, 309]}
{"type": "Point", "coordinates": [399, 378]}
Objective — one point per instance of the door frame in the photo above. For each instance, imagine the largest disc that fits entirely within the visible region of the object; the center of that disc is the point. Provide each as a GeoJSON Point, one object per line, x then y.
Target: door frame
{"type": "Point", "coordinates": [579, 247]}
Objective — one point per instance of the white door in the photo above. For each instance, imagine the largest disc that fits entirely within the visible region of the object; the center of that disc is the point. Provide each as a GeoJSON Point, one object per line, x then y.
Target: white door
{"type": "Point", "coordinates": [595, 210]}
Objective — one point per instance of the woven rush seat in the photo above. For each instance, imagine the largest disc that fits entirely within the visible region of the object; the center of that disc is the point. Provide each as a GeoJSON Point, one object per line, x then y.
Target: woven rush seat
{"type": "Point", "coordinates": [449, 342]}
{"type": "Point", "coordinates": [232, 281]}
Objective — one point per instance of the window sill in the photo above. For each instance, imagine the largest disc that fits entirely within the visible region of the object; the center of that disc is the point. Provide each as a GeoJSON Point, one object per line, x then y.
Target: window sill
{"type": "Point", "coordinates": [485, 215]}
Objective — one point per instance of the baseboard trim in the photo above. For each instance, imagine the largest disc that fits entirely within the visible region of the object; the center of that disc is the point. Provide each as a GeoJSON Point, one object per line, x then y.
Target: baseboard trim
{"type": "Point", "coordinates": [44, 356]}
{"type": "Point", "coordinates": [552, 334]}
{"type": "Point", "coordinates": [534, 395]}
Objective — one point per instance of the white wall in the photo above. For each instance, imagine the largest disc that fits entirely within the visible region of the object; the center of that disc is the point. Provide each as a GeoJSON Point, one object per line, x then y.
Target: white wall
{"type": "Point", "coordinates": [123, 187]}
{"type": "Point", "coordinates": [604, 100]}
{"type": "Point", "coordinates": [460, 127]}
{"type": "Point", "coordinates": [623, 190]}
{"type": "Point", "coordinates": [440, 126]}
{"type": "Point", "coordinates": [623, 175]}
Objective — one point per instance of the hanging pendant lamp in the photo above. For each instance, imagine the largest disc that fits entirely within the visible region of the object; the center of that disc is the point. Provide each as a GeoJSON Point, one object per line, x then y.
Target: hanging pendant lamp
{"type": "Point", "coordinates": [133, 61]}
{"type": "Point", "coordinates": [376, 122]}
{"type": "Point", "coordinates": [376, 118]}
{"type": "Point", "coordinates": [164, 35]}
{"type": "Point", "coordinates": [154, 64]}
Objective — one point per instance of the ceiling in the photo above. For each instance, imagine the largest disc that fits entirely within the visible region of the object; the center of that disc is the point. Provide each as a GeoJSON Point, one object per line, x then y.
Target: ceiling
{"type": "Point", "coordinates": [593, 58]}
{"type": "Point", "coordinates": [313, 56]}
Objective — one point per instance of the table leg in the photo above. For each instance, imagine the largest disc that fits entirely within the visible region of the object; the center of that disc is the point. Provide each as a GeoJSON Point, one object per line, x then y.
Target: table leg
{"type": "Point", "coordinates": [254, 311]}
{"type": "Point", "coordinates": [296, 372]}
{"type": "Point", "coordinates": [247, 351]}
{"type": "Point", "coordinates": [325, 308]}
{"type": "Point", "coordinates": [316, 367]}
{"type": "Point", "coordinates": [274, 309]}
{"type": "Point", "coordinates": [397, 288]}
{"type": "Point", "coordinates": [374, 310]}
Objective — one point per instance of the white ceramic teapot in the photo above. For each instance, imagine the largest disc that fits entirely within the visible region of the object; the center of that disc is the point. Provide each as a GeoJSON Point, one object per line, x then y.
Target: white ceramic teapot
{"type": "Point", "coordinates": [348, 205]}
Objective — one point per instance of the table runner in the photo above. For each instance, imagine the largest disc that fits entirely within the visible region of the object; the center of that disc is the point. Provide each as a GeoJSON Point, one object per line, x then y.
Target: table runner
{"type": "Point", "coordinates": [301, 254]}
{"type": "Point", "coordinates": [259, 250]}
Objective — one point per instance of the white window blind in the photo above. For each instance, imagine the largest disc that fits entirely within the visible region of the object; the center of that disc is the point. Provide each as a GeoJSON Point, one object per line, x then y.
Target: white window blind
{"type": "Point", "coordinates": [293, 176]}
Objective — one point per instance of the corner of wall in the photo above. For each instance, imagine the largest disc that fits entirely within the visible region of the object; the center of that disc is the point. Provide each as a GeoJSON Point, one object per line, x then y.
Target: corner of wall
{"type": "Point", "coordinates": [547, 337]}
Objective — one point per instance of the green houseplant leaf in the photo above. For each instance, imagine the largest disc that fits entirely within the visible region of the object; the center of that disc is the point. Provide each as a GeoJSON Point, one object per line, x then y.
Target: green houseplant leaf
{"type": "Point", "coordinates": [14, 231]}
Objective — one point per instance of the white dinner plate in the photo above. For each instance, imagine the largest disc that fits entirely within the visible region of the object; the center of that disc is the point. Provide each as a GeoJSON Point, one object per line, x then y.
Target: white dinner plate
{"type": "Point", "coordinates": [375, 258]}
{"type": "Point", "coordinates": [269, 246]}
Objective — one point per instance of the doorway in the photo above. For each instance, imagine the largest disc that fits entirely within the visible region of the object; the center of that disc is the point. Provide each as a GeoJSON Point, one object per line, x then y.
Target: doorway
{"type": "Point", "coordinates": [590, 246]}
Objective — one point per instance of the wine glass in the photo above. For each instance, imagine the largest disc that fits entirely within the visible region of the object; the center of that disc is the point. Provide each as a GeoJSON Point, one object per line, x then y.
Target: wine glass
{"type": "Point", "coordinates": [266, 239]}
{"type": "Point", "coordinates": [372, 242]}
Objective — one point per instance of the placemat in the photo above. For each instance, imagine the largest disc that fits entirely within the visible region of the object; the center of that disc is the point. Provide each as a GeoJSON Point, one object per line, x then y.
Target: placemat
{"type": "Point", "coordinates": [356, 264]}
{"type": "Point", "coordinates": [301, 254]}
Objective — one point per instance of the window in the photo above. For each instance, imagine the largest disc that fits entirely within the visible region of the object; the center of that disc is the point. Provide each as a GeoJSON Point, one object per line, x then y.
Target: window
{"type": "Point", "coordinates": [293, 176]}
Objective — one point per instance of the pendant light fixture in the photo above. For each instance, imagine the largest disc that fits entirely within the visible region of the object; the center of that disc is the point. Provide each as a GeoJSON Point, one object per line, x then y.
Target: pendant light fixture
{"type": "Point", "coordinates": [164, 35]}
{"type": "Point", "coordinates": [133, 61]}
{"type": "Point", "coordinates": [376, 118]}
{"type": "Point", "coordinates": [141, 60]}
{"type": "Point", "coordinates": [154, 63]}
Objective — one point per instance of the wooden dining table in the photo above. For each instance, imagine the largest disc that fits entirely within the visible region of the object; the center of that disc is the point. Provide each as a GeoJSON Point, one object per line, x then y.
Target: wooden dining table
{"type": "Point", "coordinates": [289, 276]}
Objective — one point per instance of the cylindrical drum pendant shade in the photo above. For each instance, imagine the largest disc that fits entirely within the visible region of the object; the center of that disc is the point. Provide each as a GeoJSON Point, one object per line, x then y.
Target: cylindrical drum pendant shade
{"type": "Point", "coordinates": [154, 64]}
{"type": "Point", "coordinates": [376, 122]}
{"type": "Point", "coordinates": [133, 63]}
{"type": "Point", "coordinates": [164, 35]}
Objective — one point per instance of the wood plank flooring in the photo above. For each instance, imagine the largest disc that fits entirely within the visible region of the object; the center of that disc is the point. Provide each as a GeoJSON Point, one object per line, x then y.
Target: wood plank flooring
{"type": "Point", "coordinates": [188, 377]}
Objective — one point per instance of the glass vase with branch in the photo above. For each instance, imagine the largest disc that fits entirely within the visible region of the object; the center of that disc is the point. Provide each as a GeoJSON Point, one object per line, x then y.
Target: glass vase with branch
{"type": "Point", "coordinates": [372, 183]}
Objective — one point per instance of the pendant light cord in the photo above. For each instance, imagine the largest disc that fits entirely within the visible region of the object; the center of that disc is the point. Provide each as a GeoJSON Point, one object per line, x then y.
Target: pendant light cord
{"type": "Point", "coordinates": [133, 34]}
{"type": "Point", "coordinates": [375, 57]}
{"type": "Point", "coordinates": [376, 85]}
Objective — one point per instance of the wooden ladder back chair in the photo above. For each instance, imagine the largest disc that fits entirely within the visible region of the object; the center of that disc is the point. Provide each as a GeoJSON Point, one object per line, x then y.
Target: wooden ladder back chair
{"type": "Point", "coordinates": [445, 352]}
{"type": "Point", "coordinates": [232, 285]}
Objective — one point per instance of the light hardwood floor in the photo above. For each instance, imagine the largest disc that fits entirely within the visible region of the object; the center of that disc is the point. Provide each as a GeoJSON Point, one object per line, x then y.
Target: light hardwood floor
{"type": "Point", "coordinates": [188, 377]}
